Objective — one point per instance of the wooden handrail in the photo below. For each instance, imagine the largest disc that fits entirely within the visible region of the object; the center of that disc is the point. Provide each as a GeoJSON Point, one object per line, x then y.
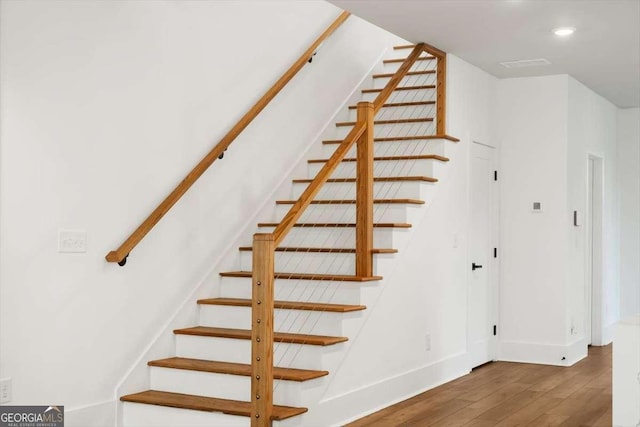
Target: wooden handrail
{"type": "Point", "coordinates": [397, 77]}
{"type": "Point", "coordinates": [120, 255]}
{"type": "Point", "coordinates": [312, 189]}
{"type": "Point", "coordinates": [264, 245]}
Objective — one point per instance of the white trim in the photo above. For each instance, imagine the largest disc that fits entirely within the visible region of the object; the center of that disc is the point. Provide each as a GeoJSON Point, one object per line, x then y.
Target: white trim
{"type": "Point", "coordinates": [594, 286]}
{"type": "Point", "coordinates": [370, 398]}
{"type": "Point", "coordinates": [101, 414]}
{"type": "Point", "coordinates": [608, 333]}
{"type": "Point", "coordinates": [544, 354]}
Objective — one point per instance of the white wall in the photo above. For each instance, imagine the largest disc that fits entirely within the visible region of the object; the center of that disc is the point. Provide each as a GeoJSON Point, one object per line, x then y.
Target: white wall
{"type": "Point", "coordinates": [548, 127]}
{"type": "Point", "coordinates": [629, 180]}
{"type": "Point", "coordinates": [105, 107]}
{"type": "Point", "coordinates": [592, 131]}
{"type": "Point", "coordinates": [533, 134]}
{"type": "Point", "coordinates": [427, 291]}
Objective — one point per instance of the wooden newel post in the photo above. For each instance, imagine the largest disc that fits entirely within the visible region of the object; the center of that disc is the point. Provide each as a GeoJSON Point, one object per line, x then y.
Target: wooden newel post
{"type": "Point", "coordinates": [441, 95]}
{"type": "Point", "coordinates": [262, 330]}
{"type": "Point", "coordinates": [364, 193]}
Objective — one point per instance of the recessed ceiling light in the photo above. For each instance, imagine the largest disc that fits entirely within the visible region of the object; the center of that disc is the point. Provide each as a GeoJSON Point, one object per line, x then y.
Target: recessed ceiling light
{"type": "Point", "coordinates": [564, 31]}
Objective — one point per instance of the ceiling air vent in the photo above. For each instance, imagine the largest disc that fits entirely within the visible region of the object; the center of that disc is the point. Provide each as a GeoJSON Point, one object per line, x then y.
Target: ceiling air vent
{"type": "Point", "coordinates": [525, 63]}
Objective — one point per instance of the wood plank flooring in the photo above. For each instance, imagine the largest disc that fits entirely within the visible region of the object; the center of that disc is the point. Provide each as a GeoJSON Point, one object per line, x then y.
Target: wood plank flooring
{"type": "Point", "coordinates": [504, 394]}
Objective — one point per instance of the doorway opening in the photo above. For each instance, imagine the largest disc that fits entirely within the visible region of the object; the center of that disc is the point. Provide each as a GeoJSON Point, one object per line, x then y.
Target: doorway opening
{"type": "Point", "coordinates": [593, 282]}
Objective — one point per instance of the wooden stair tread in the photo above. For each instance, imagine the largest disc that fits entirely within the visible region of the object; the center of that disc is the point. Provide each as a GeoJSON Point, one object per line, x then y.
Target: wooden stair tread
{"type": "Point", "coordinates": [353, 202]}
{"type": "Point", "coordinates": [323, 250]}
{"type": "Point", "coordinates": [307, 276]}
{"type": "Point", "coordinates": [421, 58]}
{"type": "Point", "coordinates": [207, 404]}
{"type": "Point", "coordinates": [404, 46]}
{"type": "Point", "coordinates": [337, 224]}
{"type": "Point", "coordinates": [398, 138]}
{"type": "Point", "coordinates": [410, 73]}
{"type": "Point", "coordinates": [287, 305]}
{"type": "Point", "coordinates": [385, 158]}
{"type": "Point", "coordinates": [390, 122]}
{"type": "Point", "coordinates": [420, 87]}
{"type": "Point", "coordinates": [375, 179]}
{"type": "Point", "coordinates": [245, 334]}
{"type": "Point", "coordinates": [400, 104]}
{"type": "Point", "coordinates": [212, 366]}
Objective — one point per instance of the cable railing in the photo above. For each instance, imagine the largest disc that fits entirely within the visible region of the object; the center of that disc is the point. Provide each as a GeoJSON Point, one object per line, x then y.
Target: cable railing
{"type": "Point", "coordinates": [336, 208]}
{"type": "Point", "coordinates": [121, 254]}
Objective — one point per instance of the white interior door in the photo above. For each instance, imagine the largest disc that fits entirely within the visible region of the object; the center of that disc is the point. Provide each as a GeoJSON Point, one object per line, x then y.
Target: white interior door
{"type": "Point", "coordinates": [482, 264]}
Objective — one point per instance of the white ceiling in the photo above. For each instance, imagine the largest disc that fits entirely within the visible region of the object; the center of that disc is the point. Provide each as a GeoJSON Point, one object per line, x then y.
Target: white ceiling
{"type": "Point", "coordinates": [603, 53]}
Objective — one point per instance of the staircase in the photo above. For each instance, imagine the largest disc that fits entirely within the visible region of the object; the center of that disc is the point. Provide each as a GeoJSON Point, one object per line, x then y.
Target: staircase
{"type": "Point", "coordinates": [317, 292]}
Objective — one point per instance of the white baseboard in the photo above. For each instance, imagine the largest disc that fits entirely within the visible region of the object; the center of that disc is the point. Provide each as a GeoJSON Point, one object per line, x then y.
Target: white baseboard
{"type": "Point", "coordinates": [101, 414]}
{"type": "Point", "coordinates": [607, 334]}
{"type": "Point", "coordinates": [544, 354]}
{"type": "Point", "coordinates": [354, 404]}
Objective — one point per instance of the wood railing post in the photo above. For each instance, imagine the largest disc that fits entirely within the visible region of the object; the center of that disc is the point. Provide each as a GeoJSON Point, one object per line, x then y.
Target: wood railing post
{"type": "Point", "coordinates": [262, 330]}
{"type": "Point", "coordinates": [364, 193]}
{"type": "Point", "coordinates": [441, 95]}
{"type": "Point", "coordinates": [441, 86]}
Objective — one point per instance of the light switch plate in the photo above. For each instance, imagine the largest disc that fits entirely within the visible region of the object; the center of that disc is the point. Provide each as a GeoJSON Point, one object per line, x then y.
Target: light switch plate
{"type": "Point", "coordinates": [72, 241]}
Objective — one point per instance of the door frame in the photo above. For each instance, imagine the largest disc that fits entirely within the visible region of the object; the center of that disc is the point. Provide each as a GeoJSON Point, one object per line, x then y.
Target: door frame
{"type": "Point", "coordinates": [493, 277]}
{"type": "Point", "coordinates": [594, 284]}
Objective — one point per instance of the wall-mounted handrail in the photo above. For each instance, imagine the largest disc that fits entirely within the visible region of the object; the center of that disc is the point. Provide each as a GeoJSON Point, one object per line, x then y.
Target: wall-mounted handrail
{"type": "Point", "coordinates": [120, 255]}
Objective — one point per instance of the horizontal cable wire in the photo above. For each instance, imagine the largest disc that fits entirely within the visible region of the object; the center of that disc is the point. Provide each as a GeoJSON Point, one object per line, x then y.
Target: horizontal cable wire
{"type": "Point", "coordinates": [406, 129]}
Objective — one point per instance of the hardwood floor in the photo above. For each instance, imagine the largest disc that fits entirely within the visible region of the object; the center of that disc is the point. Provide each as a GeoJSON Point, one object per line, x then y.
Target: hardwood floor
{"type": "Point", "coordinates": [504, 394]}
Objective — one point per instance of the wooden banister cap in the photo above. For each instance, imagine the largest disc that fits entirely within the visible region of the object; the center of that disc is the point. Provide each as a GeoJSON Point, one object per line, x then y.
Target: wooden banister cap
{"type": "Point", "coordinates": [264, 236]}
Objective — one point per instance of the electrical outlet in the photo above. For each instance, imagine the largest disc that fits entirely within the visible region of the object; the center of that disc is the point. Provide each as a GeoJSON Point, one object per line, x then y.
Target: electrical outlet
{"type": "Point", "coordinates": [427, 342]}
{"type": "Point", "coordinates": [72, 241]}
{"type": "Point", "coordinates": [5, 390]}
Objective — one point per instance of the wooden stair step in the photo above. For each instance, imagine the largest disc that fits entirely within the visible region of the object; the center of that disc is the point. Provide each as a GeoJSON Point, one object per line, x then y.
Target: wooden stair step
{"type": "Point", "coordinates": [386, 158]}
{"type": "Point", "coordinates": [207, 404]}
{"type": "Point", "coordinates": [419, 87]}
{"type": "Point", "coordinates": [211, 366]}
{"type": "Point", "coordinates": [410, 73]}
{"type": "Point", "coordinates": [404, 46]}
{"type": "Point", "coordinates": [337, 224]}
{"type": "Point", "coordinates": [390, 122]}
{"type": "Point", "coordinates": [375, 179]}
{"type": "Point", "coordinates": [245, 334]}
{"type": "Point", "coordinates": [399, 138]}
{"type": "Point", "coordinates": [353, 202]}
{"type": "Point", "coordinates": [421, 58]}
{"type": "Point", "coordinates": [287, 305]}
{"type": "Point", "coordinates": [400, 104]}
{"type": "Point", "coordinates": [307, 276]}
{"type": "Point", "coordinates": [323, 250]}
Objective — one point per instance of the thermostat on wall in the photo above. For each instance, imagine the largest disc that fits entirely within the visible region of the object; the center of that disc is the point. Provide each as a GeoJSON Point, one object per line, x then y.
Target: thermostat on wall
{"type": "Point", "coordinates": [536, 207]}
